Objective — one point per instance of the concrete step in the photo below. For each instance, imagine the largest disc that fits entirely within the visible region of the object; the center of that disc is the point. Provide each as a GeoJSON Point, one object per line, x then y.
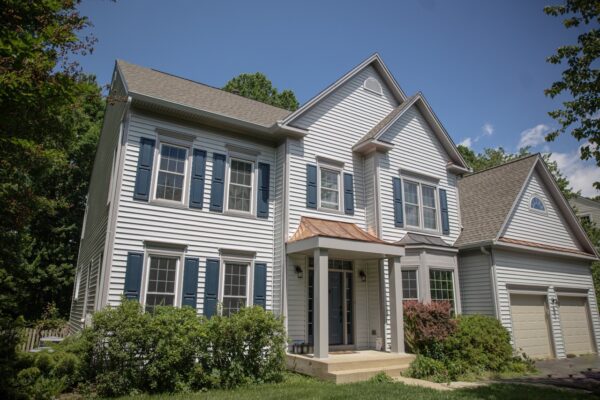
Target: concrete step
{"type": "Point", "coordinates": [384, 362]}
{"type": "Point", "coordinates": [363, 374]}
{"type": "Point", "coordinates": [41, 348]}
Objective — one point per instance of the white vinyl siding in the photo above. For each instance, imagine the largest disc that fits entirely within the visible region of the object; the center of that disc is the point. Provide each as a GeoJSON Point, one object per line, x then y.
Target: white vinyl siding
{"type": "Point", "coordinates": [279, 234]}
{"type": "Point", "coordinates": [416, 149]}
{"type": "Point", "coordinates": [139, 221]}
{"type": "Point", "coordinates": [547, 227]}
{"type": "Point", "coordinates": [335, 125]}
{"type": "Point", "coordinates": [475, 279]}
{"type": "Point", "coordinates": [547, 273]}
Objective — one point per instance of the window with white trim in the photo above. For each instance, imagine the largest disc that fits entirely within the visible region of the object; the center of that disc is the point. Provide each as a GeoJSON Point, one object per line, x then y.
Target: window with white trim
{"type": "Point", "coordinates": [77, 284]}
{"type": "Point", "coordinates": [441, 283]}
{"type": "Point", "coordinates": [170, 180]}
{"type": "Point", "coordinates": [537, 204]}
{"type": "Point", "coordinates": [162, 282]}
{"type": "Point", "coordinates": [410, 290]}
{"type": "Point", "coordinates": [420, 205]}
{"type": "Point", "coordinates": [241, 185]}
{"type": "Point", "coordinates": [373, 85]}
{"type": "Point", "coordinates": [585, 219]}
{"type": "Point", "coordinates": [235, 287]}
{"type": "Point", "coordinates": [329, 188]}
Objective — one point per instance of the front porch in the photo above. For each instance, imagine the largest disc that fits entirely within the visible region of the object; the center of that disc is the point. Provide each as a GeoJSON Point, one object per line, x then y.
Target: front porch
{"type": "Point", "coordinates": [344, 293]}
{"type": "Point", "coordinates": [349, 366]}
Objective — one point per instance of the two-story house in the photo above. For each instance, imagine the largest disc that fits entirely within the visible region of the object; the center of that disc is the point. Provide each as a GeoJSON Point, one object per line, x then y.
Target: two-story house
{"type": "Point", "coordinates": [329, 216]}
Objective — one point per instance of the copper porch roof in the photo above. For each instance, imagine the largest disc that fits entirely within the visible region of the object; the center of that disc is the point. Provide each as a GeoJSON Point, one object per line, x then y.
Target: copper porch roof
{"type": "Point", "coordinates": [313, 227]}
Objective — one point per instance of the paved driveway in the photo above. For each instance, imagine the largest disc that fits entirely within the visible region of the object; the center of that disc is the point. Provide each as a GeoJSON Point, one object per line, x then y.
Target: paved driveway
{"type": "Point", "coordinates": [577, 373]}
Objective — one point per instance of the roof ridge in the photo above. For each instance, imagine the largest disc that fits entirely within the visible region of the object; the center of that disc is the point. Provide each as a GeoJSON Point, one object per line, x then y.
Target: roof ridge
{"type": "Point", "coordinates": [203, 84]}
{"type": "Point", "coordinates": [518, 159]}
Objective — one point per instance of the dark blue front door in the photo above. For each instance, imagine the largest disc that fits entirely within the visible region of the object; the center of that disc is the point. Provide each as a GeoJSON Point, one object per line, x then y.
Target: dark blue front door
{"type": "Point", "coordinates": [336, 308]}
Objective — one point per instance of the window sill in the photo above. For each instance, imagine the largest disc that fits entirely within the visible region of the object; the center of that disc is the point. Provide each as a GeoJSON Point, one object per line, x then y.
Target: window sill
{"type": "Point", "coordinates": [330, 211]}
{"type": "Point", "coordinates": [239, 214]}
{"type": "Point", "coordinates": [422, 231]}
{"type": "Point", "coordinates": [171, 204]}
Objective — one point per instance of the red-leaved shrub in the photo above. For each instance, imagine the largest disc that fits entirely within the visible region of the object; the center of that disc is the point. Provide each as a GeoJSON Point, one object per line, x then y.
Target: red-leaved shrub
{"type": "Point", "coordinates": [427, 325]}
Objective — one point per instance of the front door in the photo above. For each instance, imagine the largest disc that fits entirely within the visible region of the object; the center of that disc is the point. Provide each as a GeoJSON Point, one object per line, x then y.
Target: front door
{"type": "Point", "coordinates": [336, 308]}
{"type": "Point", "coordinates": [341, 316]}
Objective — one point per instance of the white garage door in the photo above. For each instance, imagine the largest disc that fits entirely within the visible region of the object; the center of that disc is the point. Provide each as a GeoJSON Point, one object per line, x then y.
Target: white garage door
{"type": "Point", "coordinates": [575, 324]}
{"type": "Point", "coordinates": [530, 325]}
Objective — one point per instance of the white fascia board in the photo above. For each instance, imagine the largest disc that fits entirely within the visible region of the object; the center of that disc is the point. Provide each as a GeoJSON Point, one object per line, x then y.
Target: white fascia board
{"type": "Point", "coordinates": [387, 250]}
{"type": "Point", "coordinates": [381, 68]}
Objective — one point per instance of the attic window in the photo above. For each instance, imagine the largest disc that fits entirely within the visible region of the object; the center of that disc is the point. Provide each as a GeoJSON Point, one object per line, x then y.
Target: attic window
{"type": "Point", "coordinates": [373, 85]}
{"type": "Point", "coordinates": [537, 204]}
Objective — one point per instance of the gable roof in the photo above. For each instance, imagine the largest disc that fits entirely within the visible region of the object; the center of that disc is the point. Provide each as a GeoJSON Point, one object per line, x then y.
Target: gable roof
{"type": "Point", "coordinates": [421, 103]}
{"type": "Point", "coordinates": [155, 84]}
{"type": "Point", "coordinates": [488, 198]}
{"type": "Point", "coordinates": [376, 62]}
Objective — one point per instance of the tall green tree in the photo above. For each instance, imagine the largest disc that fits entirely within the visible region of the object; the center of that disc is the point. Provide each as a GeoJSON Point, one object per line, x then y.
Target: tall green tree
{"type": "Point", "coordinates": [50, 115]}
{"type": "Point", "coordinates": [580, 81]}
{"type": "Point", "coordinates": [258, 87]}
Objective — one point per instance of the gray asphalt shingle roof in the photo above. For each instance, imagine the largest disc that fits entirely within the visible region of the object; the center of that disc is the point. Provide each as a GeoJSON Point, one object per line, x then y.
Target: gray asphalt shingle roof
{"type": "Point", "coordinates": [156, 84]}
{"type": "Point", "coordinates": [487, 197]}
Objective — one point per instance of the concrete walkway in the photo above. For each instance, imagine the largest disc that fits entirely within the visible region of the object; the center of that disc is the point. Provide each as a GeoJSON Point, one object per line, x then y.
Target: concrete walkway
{"type": "Point", "coordinates": [575, 373]}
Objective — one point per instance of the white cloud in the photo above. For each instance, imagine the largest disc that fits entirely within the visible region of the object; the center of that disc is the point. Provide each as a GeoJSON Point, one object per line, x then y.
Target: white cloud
{"type": "Point", "coordinates": [466, 142]}
{"type": "Point", "coordinates": [581, 174]}
{"type": "Point", "coordinates": [533, 136]}
{"type": "Point", "coordinates": [487, 129]}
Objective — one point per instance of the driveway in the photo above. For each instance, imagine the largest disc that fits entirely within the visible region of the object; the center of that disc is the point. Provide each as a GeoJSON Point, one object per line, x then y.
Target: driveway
{"type": "Point", "coordinates": [577, 373]}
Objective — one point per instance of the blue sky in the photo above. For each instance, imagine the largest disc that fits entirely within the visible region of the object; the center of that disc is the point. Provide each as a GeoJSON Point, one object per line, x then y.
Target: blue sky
{"type": "Point", "coordinates": [480, 64]}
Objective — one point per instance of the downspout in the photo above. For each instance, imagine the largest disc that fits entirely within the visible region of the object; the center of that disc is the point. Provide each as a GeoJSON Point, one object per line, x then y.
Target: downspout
{"type": "Point", "coordinates": [284, 258]}
{"type": "Point", "coordinates": [114, 207]}
{"type": "Point", "coordinates": [490, 253]}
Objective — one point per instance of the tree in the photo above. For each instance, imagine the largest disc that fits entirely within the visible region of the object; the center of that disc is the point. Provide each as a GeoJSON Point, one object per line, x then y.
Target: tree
{"type": "Point", "coordinates": [581, 79]}
{"type": "Point", "coordinates": [258, 87]}
{"type": "Point", "coordinates": [493, 157]}
{"type": "Point", "coordinates": [50, 115]}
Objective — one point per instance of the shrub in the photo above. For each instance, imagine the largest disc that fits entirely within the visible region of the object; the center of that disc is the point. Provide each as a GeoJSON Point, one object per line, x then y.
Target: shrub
{"type": "Point", "coordinates": [247, 347]}
{"type": "Point", "coordinates": [428, 368]}
{"type": "Point", "coordinates": [427, 325]}
{"type": "Point", "coordinates": [481, 342]}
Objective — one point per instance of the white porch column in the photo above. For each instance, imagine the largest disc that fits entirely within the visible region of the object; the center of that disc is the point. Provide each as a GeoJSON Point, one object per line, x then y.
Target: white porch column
{"type": "Point", "coordinates": [396, 317]}
{"type": "Point", "coordinates": [321, 303]}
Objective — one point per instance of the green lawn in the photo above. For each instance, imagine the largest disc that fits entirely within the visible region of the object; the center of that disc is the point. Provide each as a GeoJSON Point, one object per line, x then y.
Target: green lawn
{"type": "Point", "coordinates": [299, 387]}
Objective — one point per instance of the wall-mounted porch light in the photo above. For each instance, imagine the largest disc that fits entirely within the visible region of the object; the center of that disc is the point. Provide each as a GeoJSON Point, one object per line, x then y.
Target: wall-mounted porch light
{"type": "Point", "coordinates": [299, 272]}
{"type": "Point", "coordinates": [363, 276]}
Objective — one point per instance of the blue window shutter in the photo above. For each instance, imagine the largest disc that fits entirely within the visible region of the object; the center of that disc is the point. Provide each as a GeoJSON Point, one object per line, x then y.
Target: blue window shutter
{"type": "Point", "coordinates": [217, 188]}
{"type": "Point", "coordinates": [190, 283]}
{"type": "Point", "coordinates": [197, 182]}
{"type": "Point", "coordinates": [444, 210]}
{"type": "Point", "coordinates": [133, 275]}
{"type": "Point", "coordinates": [262, 204]}
{"type": "Point", "coordinates": [398, 211]}
{"type": "Point", "coordinates": [311, 186]}
{"type": "Point", "coordinates": [260, 285]}
{"type": "Point", "coordinates": [144, 169]}
{"type": "Point", "coordinates": [348, 194]}
{"type": "Point", "coordinates": [211, 287]}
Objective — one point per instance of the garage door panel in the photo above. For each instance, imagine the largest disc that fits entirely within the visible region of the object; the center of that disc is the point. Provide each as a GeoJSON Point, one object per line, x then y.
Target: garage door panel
{"type": "Point", "coordinates": [575, 324]}
{"type": "Point", "coordinates": [529, 325]}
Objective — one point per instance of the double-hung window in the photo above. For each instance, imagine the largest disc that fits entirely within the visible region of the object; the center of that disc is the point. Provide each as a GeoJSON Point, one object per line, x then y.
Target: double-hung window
{"type": "Point", "coordinates": [410, 290]}
{"type": "Point", "coordinates": [329, 189]}
{"type": "Point", "coordinates": [235, 287]}
{"type": "Point", "coordinates": [420, 205]}
{"type": "Point", "coordinates": [441, 283]}
{"type": "Point", "coordinates": [170, 181]}
{"type": "Point", "coordinates": [241, 177]}
{"type": "Point", "coordinates": [162, 278]}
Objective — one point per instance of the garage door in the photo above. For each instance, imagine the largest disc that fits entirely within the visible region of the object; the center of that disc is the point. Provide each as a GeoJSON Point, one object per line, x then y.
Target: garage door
{"type": "Point", "coordinates": [575, 324]}
{"type": "Point", "coordinates": [530, 326]}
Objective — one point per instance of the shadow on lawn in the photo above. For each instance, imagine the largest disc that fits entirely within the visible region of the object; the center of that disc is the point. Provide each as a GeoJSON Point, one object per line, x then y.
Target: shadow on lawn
{"type": "Point", "coordinates": [524, 391]}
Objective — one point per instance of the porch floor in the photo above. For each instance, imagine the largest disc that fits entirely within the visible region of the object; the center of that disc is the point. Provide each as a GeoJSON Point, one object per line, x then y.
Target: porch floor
{"type": "Point", "coordinates": [349, 366]}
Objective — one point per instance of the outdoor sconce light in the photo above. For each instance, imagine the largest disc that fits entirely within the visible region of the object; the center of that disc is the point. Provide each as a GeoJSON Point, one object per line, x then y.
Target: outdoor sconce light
{"type": "Point", "coordinates": [299, 272]}
{"type": "Point", "coordinates": [363, 276]}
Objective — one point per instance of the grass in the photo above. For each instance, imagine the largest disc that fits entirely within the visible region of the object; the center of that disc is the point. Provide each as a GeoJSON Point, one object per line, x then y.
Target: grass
{"type": "Point", "coordinates": [297, 386]}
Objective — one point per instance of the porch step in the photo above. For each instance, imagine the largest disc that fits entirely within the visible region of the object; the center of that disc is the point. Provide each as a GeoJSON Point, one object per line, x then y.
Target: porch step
{"type": "Point", "coordinates": [51, 340]}
{"type": "Point", "coordinates": [363, 374]}
{"type": "Point", "coordinates": [353, 367]}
